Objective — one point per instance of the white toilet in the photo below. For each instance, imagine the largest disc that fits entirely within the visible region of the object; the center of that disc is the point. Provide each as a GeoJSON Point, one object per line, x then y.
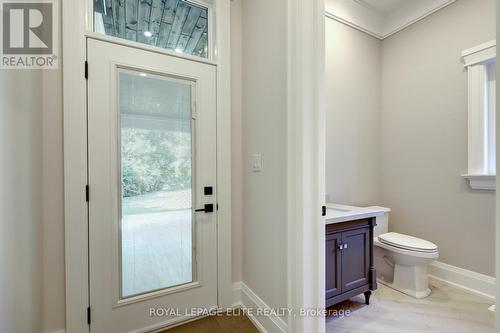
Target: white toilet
{"type": "Point", "coordinates": [401, 261]}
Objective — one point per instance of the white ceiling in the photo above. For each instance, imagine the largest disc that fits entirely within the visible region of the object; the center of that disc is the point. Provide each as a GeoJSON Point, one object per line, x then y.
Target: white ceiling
{"type": "Point", "coordinates": [382, 18]}
{"type": "Point", "coordinates": [385, 6]}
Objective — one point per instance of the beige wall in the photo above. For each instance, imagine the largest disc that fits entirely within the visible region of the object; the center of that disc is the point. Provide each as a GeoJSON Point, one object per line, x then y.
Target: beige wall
{"type": "Point", "coordinates": [264, 131]}
{"type": "Point", "coordinates": [21, 224]}
{"type": "Point", "coordinates": [422, 147]}
{"type": "Point", "coordinates": [353, 90]}
{"type": "Point", "coordinates": [31, 201]}
{"type": "Point", "coordinates": [424, 135]}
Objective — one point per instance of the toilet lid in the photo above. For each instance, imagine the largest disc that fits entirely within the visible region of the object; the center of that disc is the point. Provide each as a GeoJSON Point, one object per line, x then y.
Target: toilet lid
{"type": "Point", "coordinates": [407, 242]}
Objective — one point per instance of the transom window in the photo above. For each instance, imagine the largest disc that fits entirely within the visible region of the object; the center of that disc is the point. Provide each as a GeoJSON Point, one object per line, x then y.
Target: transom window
{"type": "Point", "coordinates": [178, 25]}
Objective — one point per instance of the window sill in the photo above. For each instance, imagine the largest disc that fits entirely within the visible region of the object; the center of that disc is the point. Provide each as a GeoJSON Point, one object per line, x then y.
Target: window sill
{"type": "Point", "coordinates": [481, 182]}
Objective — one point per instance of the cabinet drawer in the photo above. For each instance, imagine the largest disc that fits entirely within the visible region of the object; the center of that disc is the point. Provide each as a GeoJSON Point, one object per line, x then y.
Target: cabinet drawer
{"type": "Point", "coordinates": [346, 226]}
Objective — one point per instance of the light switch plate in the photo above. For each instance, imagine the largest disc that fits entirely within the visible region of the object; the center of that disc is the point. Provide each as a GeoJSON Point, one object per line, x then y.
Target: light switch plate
{"type": "Point", "coordinates": [256, 162]}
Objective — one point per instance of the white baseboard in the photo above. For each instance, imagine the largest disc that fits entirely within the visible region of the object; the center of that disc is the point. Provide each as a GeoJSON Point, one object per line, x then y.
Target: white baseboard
{"type": "Point", "coordinates": [58, 331]}
{"type": "Point", "coordinates": [237, 294]}
{"type": "Point", "coordinates": [472, 282]}
{"type": "Point", "coordinates": [247, 299]}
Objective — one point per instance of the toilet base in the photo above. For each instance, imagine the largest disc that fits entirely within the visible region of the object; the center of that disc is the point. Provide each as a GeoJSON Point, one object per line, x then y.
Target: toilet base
{"type": "Point", "coordinates": [410, 280]}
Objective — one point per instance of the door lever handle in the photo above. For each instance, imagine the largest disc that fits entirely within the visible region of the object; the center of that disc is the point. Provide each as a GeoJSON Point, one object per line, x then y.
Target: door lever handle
{"type": "Point", "coordinates": [209, 208]}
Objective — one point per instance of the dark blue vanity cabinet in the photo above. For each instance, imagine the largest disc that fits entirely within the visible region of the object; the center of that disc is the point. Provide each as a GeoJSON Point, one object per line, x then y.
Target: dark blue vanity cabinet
{"type": "Point", "coordinates": [349, 260]}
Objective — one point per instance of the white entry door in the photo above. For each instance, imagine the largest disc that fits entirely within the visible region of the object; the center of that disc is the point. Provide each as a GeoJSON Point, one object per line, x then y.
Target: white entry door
{"type": "Point", "coordinates": [152, 172]}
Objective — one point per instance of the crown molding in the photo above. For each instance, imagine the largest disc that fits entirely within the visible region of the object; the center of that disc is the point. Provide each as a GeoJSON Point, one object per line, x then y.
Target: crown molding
{"type": "Point", "coordinates": [356, 14]}
{"type": "Point", "coordinates": [364, 17]}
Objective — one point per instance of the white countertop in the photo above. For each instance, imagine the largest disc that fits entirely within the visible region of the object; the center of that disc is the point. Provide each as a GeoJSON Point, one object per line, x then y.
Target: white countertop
{"type": "Point", "coordinates": [336, 213]}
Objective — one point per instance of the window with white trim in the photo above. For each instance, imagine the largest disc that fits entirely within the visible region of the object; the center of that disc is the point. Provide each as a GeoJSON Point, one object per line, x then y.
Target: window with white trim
{"type": "Point", "coordinates": [183, 26]}
{"type": "Point", "coordinates": [480, 62]}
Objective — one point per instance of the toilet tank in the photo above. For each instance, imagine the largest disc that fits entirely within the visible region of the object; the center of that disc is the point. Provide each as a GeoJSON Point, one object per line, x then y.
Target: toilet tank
{"type": "Point", "coordinates": [382, 226]}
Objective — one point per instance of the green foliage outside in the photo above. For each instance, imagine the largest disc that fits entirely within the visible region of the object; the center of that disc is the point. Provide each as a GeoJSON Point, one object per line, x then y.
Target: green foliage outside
{"type": "Point", "coordinates": [155, 161]}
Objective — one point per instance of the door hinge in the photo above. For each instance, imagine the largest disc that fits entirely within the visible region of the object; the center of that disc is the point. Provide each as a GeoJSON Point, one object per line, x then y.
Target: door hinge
{"type": "Point", "coordinates": [86, 70]}
{"type": "Point", "coordinates": [323, 211]}
{"type": "Point", "coordinates": [88, 315]}
{"type": "Point", "coordinates": [194, 113]}
{"type": "Point", "coordinates": [87, 193]}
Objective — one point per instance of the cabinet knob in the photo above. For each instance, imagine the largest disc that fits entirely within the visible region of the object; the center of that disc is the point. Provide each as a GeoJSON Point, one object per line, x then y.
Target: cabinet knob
{"type": "Point", "coordinates": [342, 247]}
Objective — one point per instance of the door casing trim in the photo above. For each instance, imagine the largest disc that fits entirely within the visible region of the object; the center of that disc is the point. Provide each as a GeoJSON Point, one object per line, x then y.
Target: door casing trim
{"type": "Point", "coordinates": [76, 27]}
{"type": "Point", "coordinates": [305, 162]}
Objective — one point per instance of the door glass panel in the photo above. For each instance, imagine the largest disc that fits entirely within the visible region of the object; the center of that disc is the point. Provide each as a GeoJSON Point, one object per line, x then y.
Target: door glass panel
{"type": "Point", "coordinates": [177, 25]}
{"type": "Point", "coordinates": [156, 182]}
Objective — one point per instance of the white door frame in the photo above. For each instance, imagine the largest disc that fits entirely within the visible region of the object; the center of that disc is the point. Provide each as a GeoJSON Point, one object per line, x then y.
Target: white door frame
{"type": "Point", "coordinates": [306, 162]}
{"type": "Point", "coordinates": [76, 27]}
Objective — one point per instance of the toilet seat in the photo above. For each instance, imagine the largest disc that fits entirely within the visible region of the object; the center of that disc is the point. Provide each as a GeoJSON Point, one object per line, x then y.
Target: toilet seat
{"type": "Point", "coordinates": [408, 243]}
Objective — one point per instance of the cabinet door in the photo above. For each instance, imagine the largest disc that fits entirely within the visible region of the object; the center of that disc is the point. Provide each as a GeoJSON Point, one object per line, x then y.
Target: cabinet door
{"type": "Point", "coordinates": [333, 265]}
{"type": "Point", "coordinates": [355, 258]}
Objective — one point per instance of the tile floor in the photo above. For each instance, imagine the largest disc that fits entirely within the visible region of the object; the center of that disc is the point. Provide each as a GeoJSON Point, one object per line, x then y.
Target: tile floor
{"type": "Point", "coordinates": [446, 310]}
{"type": "Point", "coordinates": [217, 324]}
